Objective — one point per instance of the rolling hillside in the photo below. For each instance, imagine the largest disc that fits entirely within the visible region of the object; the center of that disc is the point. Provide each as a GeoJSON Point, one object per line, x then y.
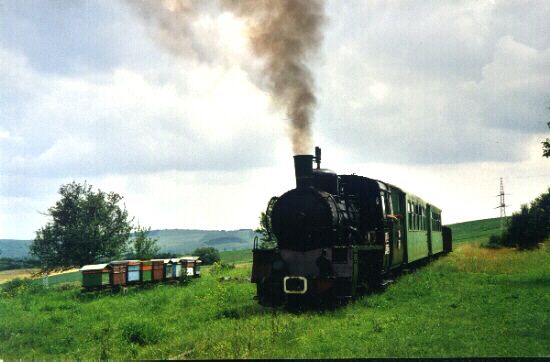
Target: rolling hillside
{"type": "Point", "coordinates": [179, 241]}
{"type": "Point", "coordinates": [475, 231]}
{"type": "Point", "coordinates": [13, 248]}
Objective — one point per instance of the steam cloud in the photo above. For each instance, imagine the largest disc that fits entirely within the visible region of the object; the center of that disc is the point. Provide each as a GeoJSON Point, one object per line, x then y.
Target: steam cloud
{"type": "Point", "coordinates": [284, 33]}
{"type": "Point", "coordinates": [170, 23]}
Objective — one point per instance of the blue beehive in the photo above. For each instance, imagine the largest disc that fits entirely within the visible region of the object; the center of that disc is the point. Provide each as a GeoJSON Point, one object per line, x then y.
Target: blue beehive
{"type": "Point", "coordinates": [133, 271]}
{"type": "Point", "coordinates": [168, 267]}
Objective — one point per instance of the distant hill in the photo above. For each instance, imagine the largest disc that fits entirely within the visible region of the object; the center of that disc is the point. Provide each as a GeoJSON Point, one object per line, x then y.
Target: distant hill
{"type": "Point", "coordinates": [179, 241]}
{"type": "Point", "coordinates": [12, 248]}
{"type": "Point", "coordinates": [475, 231]}
{"type": "Point", "coordinates": [182, 241]}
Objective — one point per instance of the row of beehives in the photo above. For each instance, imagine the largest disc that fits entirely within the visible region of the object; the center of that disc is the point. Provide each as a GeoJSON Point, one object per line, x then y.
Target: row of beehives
{"type": "Point", "coordinates": [120, 273]}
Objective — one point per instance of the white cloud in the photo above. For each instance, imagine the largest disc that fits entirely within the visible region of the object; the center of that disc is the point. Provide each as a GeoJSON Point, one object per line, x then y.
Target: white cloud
{"type": "Point", "coordinates": [124, 121]}
{"type": "Point", "coordinates": [440, 98]}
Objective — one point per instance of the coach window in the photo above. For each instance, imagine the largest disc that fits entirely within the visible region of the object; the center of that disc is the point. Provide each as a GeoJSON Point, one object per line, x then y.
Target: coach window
{"type": "Point", "coordinates": [421, 218]}
{"type": "Point", "coordinates": [409, 214]}
{"type": "Point", "coordinates": [418, 222]}
{"type": "Point", "coordinates": [383, 204]}
{"type": "Point", "coordinates": [414, 216]}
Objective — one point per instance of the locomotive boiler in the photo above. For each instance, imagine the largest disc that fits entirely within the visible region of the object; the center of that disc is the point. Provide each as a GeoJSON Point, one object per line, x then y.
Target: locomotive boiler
{"type": "Point", "coordinates": [339, 235]}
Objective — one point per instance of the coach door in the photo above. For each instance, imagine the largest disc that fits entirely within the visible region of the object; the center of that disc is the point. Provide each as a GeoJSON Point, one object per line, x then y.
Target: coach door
{"type": "Point", "coordinates": [397, 234]}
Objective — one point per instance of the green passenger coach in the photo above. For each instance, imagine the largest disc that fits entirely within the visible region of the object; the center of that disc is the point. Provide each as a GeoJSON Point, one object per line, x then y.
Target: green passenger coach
{"type": "Point", "coordinates": [419, 224]}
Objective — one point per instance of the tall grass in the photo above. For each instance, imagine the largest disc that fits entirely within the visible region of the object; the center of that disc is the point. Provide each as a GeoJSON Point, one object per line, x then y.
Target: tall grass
{"type": "Point", "coordinates": [474, 302]}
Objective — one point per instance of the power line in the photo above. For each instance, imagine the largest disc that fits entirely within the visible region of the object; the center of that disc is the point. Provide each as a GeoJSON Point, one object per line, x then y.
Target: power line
{"type": "Point", "coordinates": [502, 206]}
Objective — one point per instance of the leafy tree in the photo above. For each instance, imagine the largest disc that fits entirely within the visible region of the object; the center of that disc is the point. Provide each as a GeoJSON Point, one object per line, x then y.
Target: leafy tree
{"type": "Point", "coordinates": [531, 225]}
{"type": "Point", "coordinates": [546, 146]}
{"type": "Point", "coordinates": [85, 226]}
{"type": "Point", "coordinates": [144, 247]}
{"type": "Point", "coordinates": [208, 255]}
{"type": "Point", "coordinates": [267, 239]}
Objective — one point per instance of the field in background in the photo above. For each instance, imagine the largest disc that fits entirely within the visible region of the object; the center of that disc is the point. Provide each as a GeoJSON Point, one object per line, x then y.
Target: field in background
{"type": "Point", "coordinates": [7, 275]}
{"type": "Point", "coordinates": [236, 256]}
{"type": "Point", "coordinates": [477, 231]}
{"type": "Point", "coordinates": [473, 302]}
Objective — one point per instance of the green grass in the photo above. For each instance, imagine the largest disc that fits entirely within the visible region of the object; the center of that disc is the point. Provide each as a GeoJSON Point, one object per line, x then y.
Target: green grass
{"type": "Point", "coordinates": [477, 231]}
{"type": "Point", "coordinates": [62, 278]}
{"type": "Point", "coordinates": [474, 302]}
{"type": "Point", "coordinates": [236, 256]}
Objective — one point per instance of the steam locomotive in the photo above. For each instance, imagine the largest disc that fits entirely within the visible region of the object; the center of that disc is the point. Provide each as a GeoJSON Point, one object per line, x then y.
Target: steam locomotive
{"type": "Point", "coordinates": [340, 235]}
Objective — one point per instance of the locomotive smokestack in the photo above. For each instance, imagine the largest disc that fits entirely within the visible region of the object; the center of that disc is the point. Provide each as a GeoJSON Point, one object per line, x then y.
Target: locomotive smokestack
{"type": "Point", "coordinates": [303, 168]}
{"type": "Point", "coordinates": [318, 156]}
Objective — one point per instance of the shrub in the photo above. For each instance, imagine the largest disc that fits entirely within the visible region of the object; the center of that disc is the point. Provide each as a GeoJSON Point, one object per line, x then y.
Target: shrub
{"type": "Point", "coordinates": [531, 225]}
{"type": "Point", "coordinates": [495, 241]}
{"type": "Point", "coordinates": [221, 266]}
{"type": "Point", "coordinates": [208, 255]}
{"type": "Point", "coordinates": [17, 286]}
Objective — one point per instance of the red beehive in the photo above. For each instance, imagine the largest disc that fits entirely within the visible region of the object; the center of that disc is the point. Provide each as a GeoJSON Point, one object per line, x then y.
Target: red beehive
{"type": "Point", "coordinates": [118, 273]}
{"type": "Point", "coordinates": [158, 269]}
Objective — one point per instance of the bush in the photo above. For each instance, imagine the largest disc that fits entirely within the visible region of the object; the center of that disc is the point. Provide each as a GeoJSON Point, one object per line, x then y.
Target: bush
{"type": "Point", "coordinates": [221, 266]}
{"type": "Point", "coordinates": [17, 286]}
{"type": "Point", "coordinates": [531, 225]}
{"type": "Point", "coordinates": [495, 241]}
{"type": "Point", "coordinates": [208, 255]}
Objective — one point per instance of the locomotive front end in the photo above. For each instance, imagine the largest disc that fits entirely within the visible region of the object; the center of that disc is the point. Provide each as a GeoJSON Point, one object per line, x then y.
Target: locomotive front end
{"type": "Point", "coordinates": [311, 224]}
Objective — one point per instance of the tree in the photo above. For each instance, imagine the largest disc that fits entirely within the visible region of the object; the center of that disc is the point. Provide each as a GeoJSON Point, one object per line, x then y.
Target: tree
{"type": "Point", "coordinates": [267, 239]}
{"type": "Point", "coordinates": [144, 247]}
{"type": "Point", "coordinates": [208, 255]}
{"type": "Point", "coordinates": [531, 225]}
{"type": "Point", "coordinates": [85, 226]}
{"type": "Point", "coordinates": [546, 145]}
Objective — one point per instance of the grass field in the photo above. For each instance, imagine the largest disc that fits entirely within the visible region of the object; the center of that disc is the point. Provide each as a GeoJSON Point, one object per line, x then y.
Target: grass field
{"type": "Point", "coordinates": [236, 256]}
{"type": "Point", "coordinates": [474, 302]}
{"type": "Point", "coordinates": [477, 231]}
{"type": "Point", "coordinates": [7, 275]}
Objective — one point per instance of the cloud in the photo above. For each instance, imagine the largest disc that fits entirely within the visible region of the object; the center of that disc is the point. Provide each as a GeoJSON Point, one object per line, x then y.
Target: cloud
{"type": "Point", "coordinates": [128, 122]}
{"type": "Point", "coordinates": [432, 83]}
{"type": "Point", "coordinates": [451, 94]}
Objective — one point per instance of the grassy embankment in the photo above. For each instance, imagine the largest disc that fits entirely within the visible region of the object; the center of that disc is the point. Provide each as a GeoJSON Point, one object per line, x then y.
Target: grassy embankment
{"type": "Point", "coordinates": [474, 302]}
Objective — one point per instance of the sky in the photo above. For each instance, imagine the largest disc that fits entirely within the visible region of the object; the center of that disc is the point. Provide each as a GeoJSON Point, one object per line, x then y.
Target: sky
{"type": "Point", "coordinates": [441, 98]}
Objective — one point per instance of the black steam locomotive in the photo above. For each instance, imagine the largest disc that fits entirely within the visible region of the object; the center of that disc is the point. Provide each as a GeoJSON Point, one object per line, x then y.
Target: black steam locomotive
{"type": "Point", "coordinates": [339, 235]}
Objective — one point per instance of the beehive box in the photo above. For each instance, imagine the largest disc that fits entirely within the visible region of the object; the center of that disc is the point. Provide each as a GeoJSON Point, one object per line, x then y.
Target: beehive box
{"type": "Point", "coordinates": [192, 265]}
{"type": "Point", "coordinates": [133, 271]}
{"type": "Point", "coordinates": [176, 268]}
{"type": "Point", "coordinates": [168, 265]}
{"type": "Point", "coordinates": [118, 274]}
{"type": "Point", "coordinates": [95, 276]}
{"type": "Point", "coordinates": [158, 269]}
{"type": "Point", "coordinates": [146, 270]}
